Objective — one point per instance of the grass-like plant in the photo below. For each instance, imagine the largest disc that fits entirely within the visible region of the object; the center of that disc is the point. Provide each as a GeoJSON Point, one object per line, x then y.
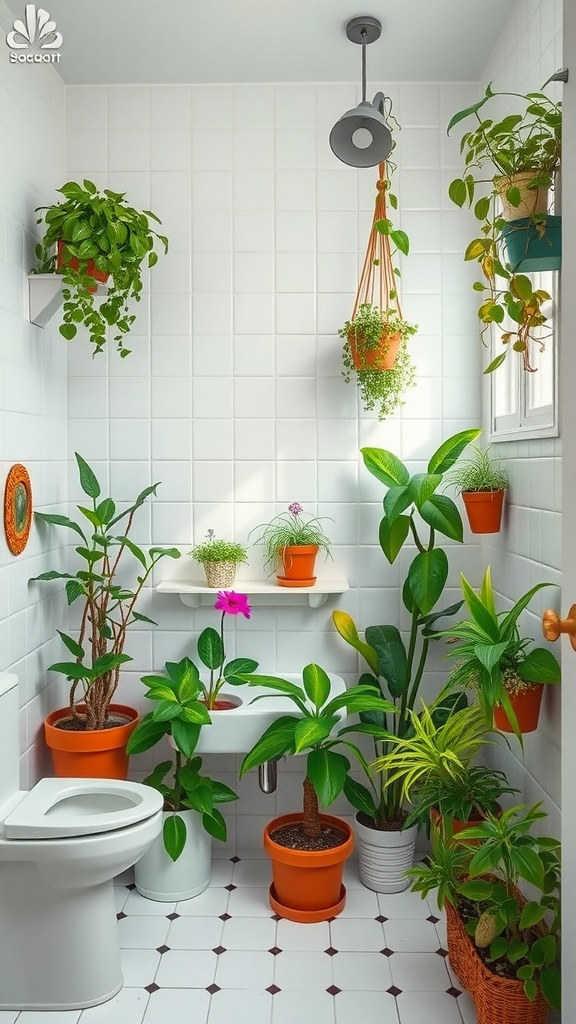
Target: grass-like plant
{"type": "Point", "coordinates": [293, 528]}
{"type": "Point", "coordinates": [215, 550]}
{"type": "Point", "coordinates": [480, 472]}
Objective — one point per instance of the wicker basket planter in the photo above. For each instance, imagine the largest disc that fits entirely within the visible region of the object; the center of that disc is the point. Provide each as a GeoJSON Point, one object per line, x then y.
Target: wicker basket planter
{"type": "Point", "coordinates": [497, 1000]}
{"type": "Point", "coordinates": [220, 574]}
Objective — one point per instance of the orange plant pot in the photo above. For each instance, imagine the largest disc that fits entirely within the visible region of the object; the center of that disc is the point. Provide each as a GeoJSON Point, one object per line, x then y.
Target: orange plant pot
{"type": "Point", "coordinates": [457, 826]}
{"type": "Point", "coordinates": [298, 565]}
{"type": "Point", "coordinates": [526, 707]}
{"type": "Point", "coordinates": [91, 269]}
{"type": "Point", "coordinates": [484, 510]}
{"type": "Point", "coordinates": [90, 754]}
{"type": "Point", "coordinates": [383, 357]}
{"type": "Point", "coordinates": [498, 1000]}
{"type": "Point", "coordinates": [307, 885]}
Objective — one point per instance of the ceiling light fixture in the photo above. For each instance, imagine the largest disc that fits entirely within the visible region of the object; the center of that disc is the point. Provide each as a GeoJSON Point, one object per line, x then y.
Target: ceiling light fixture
{"type": "Point", "coordinates": [361, 138]}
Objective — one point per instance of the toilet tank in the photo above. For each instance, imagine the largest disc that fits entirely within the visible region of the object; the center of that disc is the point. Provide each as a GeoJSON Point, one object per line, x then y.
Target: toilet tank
{"type": "Point", "coordinates": [9, 737]}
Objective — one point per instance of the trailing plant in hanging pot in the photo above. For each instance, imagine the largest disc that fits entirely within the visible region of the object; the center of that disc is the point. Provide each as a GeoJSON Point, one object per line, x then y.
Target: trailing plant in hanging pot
{"type": "Point", "coordinates": [98, 234]}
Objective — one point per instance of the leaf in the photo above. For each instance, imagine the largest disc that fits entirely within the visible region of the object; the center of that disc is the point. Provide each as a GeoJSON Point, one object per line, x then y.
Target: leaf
{"type": "Point", "coordinates": [401, 241]}
{"type": "Point", "coordinates": [237, 667]}
{"type": "Point", "coordinates": [442, 514]}
{"type": "Point", "coordinates": [88, 481]}
{"type": "Point", "coordinates": [550, 986]}
{"type": "Point", "coordinates": [396, 500]}
{"type": "Point", "coordinates": [327, 772]}
{"type": "Point", "coordinates": [496, 363]}
{"type": "Point", "coordinates": [210, 648]}
{"type": "Point", "coordinates": [476, 249]}
{"type": "Point", "coordinates": [185, 736]}
{"type": "Point", "coordinates": [174, 834]}
{"type": "Point", "coordinates": [360, 797]}
{"type": "Point", "coordinates": [427, 577]}
{"type": "Point", "coordinates": [146, 734]}
{"type": "Point", "coordinates": [422, 487]}
{"type": "Point", "coordinates": [539, 666]}
{"type": "Point", "coordinates": [391, 655]}
{"type": "Point", "coordinates": [311, 731]}
{"type": "Point", "coordinates": [462, 114]}
{"type": "Point", "coordinates": [385, 466]}
{"type": "Point", "coordinates": [476, 890]}
{"type": "Point", "coordinates": [71, 669]}
{"type": "Point", "coordinates": [72, 645]}
{"type": "Point", "coordinates": [215, 825]}
{"type": "Point", "coordinates": [136, 551]}
{"type": "Point", "coordinates": [74, 590]}
{"type": "Point", "coordinates": [482, 208]}
{"type": "Point", "coordinates": [316, 685]}
{"type": "Point", "coordinates": [392, 536]}
{"type": "Point", "coordinates": [347, 630]}
{"type": "Point", "coordinates": [68, 331]}
{"type": "Point", "coordinates": [56, 520]}
{"type": "Point", "coordinates": [450, 451]}
{"type": "Point", "coordinates": [223, 794]}
{"type": "Point", "coordinates": [532, 913]}
{"type": "Point", "coordinates": [458, 192]}
{"type": "Point", "coordinates": [276, 741]}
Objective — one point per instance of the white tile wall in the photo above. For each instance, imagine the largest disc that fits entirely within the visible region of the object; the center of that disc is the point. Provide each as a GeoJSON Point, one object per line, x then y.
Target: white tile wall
{"type": "Point", "coordinates": [32, 390]}
{"type": "Point", "coordinates": [267, 232]}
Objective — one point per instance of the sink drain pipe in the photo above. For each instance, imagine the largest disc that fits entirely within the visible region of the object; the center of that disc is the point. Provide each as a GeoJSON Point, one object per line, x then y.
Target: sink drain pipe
{"type": "Point", "coordinates": [268, 776]}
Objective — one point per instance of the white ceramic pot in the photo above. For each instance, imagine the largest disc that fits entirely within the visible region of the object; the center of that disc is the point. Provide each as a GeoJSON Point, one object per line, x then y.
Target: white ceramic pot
{"type": "Point", "coordinates": [158, 877]}
{"type": "Point", "coordinates": [384, 857]}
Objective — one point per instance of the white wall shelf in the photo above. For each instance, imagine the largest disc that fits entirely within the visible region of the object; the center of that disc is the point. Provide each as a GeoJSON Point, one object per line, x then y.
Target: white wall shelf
{"type": "Point", "coordinates": [45, 297]}
{"type": "Point", "coordinates": [193, 593]}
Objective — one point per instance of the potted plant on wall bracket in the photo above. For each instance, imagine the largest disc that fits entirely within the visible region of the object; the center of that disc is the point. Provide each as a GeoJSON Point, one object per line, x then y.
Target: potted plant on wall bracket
{"type": "Point", "coordinates": [308, 849]}
{"type": "Point", "coordinates": [497, 663]}
{"type": "Point", "coordinates": [97, 235]}
{"type": "Point", "coordinates": [177, 865]}
{"type": "Point", "coordinates": [292, 540]}
{"type": "Point", "coordinates": [482, 482]}
{"type": "Point", "coordinates": [517, 234]}
{"type": "Point", "coordinates": [88, 737]}
{"type": "Point", "coordinates": [219, 559]}
{"type": "Point", "coordinates": [413, 512]}
{"type": "Point", "coordinates": [375, 336]}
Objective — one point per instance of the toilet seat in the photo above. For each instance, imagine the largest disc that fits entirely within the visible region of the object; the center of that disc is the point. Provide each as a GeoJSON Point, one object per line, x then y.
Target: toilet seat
{"type": "Point", "coordinates": [60, 808]}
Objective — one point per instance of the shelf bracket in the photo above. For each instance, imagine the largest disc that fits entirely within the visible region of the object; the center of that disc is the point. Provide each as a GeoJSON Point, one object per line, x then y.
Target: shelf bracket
{"type": "Point", "coordinates": [45, 297]}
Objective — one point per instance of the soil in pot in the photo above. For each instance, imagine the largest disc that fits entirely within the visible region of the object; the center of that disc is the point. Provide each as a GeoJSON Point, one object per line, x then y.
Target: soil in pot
{"type": "Point", "coordinates": [293, 837]}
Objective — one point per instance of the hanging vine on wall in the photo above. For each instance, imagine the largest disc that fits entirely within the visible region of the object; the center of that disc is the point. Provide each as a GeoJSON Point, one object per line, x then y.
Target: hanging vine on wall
{"type": "Point", "coordinates": [375, 349]}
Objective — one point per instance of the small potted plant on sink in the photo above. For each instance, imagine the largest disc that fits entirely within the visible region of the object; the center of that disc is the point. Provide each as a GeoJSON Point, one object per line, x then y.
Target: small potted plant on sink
{"type": "Point", "coordinates": [211, 652]}
{"type": "Point", "coordinates": [97, 235]}
{"type": "Point", "coordinates": [88, 737]}
{"type": "Point", "coordinates": [482, 482]}
{"type": "Point", "coordinates": [177, 865]}
{"type": "Point", "coordinates": [494, 660]}
{"type": "Point", "coordinates": [308, 849]}
{"type": "Point", "coordinates": [219, 559]}
{"type": "Point", "coordinates": [292, 540]}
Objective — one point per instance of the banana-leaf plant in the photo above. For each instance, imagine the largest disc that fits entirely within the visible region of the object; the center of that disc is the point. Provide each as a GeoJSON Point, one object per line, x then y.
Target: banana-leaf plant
{"type": "Point", "coordinates": [314, 730]}
{"type": "Point", "coordinates": [413, 512]}
{"type": "Point", "coordinates": [108, 601]}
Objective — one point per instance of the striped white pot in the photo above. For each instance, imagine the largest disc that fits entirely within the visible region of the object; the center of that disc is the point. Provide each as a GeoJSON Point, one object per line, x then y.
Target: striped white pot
{"type": "Point", "coordinates": [384, 857]}
{"type": "Point", "coordinates": [158, 877]}
{"type": "Point", "coordinates": [220, 574]}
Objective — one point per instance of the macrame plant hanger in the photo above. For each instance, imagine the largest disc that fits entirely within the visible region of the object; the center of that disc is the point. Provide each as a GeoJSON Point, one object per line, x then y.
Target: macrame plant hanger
{"type": "Point", "coordinates": [378, 286]}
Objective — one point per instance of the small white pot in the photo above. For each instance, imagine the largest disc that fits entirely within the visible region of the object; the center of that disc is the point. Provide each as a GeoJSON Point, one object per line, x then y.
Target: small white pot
{"type": "Point", "coordinates": [384, 857]}
{"type": "Point", "coordinates": [158, 877]}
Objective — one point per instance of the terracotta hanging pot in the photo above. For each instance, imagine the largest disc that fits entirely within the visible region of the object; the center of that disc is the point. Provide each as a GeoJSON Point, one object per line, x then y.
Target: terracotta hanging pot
{"type": "Point", "coordinates": [298, 565]}
{"type": "Point", "coordinates": [91, 269]}
{"type": "Point", "coordinates": [90, 753]}
{"type": "Point", "coordinates": [526, 706]}
{"type": "Point", "coordinates": [383, 357]}
{"type": "Point", "coordinates": [484, 510]}
{"type": "Point", "coordinates": [307, 884]}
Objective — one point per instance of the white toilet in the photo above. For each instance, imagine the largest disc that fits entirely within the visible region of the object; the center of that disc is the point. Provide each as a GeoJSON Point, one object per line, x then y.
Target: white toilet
{"type": "Point", "coordinates": [61, 845]}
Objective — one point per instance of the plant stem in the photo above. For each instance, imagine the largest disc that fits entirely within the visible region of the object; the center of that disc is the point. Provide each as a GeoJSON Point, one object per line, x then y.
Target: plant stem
{"type": "Point", "coordinates": [311, 824]}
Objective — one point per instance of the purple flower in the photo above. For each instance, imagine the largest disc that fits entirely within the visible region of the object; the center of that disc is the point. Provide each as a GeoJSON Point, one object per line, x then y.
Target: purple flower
{"type": "Point", "coordinates": [295, 508]}
{"type": "Point", "coordinates": [211, 534]}
{"type": "Point", "coordinates": [233, 604]}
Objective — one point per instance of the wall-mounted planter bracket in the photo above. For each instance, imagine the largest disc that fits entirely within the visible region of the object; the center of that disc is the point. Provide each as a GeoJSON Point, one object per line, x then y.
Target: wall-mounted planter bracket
{"type": "Point", "coordinates": [45, 297]}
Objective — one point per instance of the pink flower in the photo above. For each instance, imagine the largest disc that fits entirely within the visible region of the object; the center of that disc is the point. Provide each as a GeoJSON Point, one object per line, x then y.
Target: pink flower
{"type": "Point", "coordinates": [295, 508]}
{"type": "Point", "coordinates": [233, 604]}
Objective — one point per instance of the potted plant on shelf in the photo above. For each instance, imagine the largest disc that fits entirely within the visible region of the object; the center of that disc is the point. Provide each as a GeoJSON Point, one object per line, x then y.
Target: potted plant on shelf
{"type": "Point", "coordinates": [97, 235]}
{"type": "Point", "coordinates": [494, 660]}
{"type": "Point", "coordinates": [292, 540]}
{"type": "Point", "coordinates": [517, 235]}
{"type": "Point", "coordinates": [411, 506]}
{"type": "Point", "coordinates": [482, 482]}
{"type": "Point", "coordinates": [219, 559]}
{"type": "Point", "coordinates": [88, 737]}
{"type": "Point", "coordinates": [505, 949]}
{"type": "Point", "coordinates": [177, 865]}
{"type": "Point", "coordinates": [308, 849]}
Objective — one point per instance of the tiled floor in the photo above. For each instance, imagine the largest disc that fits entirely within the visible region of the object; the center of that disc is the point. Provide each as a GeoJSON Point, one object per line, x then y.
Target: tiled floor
{"type": "Point", "coordinates": [224, 958]}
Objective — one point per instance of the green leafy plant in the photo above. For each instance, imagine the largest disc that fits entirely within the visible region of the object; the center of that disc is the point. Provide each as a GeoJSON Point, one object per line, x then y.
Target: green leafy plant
{"type": "Point", "coordinates": [290, 529]}
{"type": "Point", "coordinates": [98, 227]}
{"type": "Point", "coordinates": [383, 390]}
{"type": "Point", "coordinates": [313, 731]}
{"type": "Point", "coordinates": [492, 656]}
{"type": "Point", "coordinates": [480, 472]}
{"type": "Point", "coordinates": [214, 550]}
{"type": "Point", "coordinates": [108, 601]}
{"type": "Point", "coordinates": [412, 510]}
{"type": "Point", "coordinates": [370, 323]}
{"type": "Point", "coordinates": [526, 143]}
{"type": "Point", "coordinates": [180, 712]}
{"type": "Point", "coordinates": [503, 925]}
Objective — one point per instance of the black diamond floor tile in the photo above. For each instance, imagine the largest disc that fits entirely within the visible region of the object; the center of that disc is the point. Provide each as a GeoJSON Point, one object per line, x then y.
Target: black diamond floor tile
{"type": "Point", "coordinates": [230, 887]}
{"type": "Point", "coordinates": [225, 917]}
{"type": "Point", "coordinates": [121, 916]}
{"type": "Point", "coordinates": [381, 919]}
{"type": "Point", "coordinates": [333, 990]}
{"type": "Point", "coordinates": [331, 951]}
{"type": "Point", "coordinates": [219, 949]}
{"type": "Point", "coordinates": [387, 951]}
{"type": "Point", "coordinates": [442, 952]}
{"type": "Point", "coordinates": [172, 917]}
{"type": "Point", "coordinates": [273, 989]}
{"type": "Point", "coordinates": [275, 950]}
{"type": "Point", "coordinates": [394, 991]}
{"type": "Point", "coordinates": [131, 886]}
{"type": "Point", "coordinates": [212, 989]}
{"type": "Point", "coordinates": [152, 988]}
{"type": "Point", "coordinates": [432, 919]}
{"type": "Point", "coordinates": [235, 860]}
{"type": "Point", "coordinates": [454, 992]}
{"type": "Point", "coordinates": [162, 949]}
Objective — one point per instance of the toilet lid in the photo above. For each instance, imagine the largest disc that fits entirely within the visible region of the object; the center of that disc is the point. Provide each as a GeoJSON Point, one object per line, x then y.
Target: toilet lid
{"type": "Point", "coordinates": [60, 808]}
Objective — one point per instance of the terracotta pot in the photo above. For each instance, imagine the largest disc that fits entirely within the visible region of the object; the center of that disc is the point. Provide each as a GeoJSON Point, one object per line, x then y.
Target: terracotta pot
{"type": "Point", "coordinates": [220, 574]}
{"type": "Point", "coordinates": [91, 269]}
{"type": "Point", "coordinates": [533, 200]}
{"type": "Point", "coordinates": [383, 357]}
{"type": "Point", "coordinates": [498, 1000]}
{"type": "Point", "coordinates": [90, 754]}
{"type": "Point", "coordinates": [484, 510]}
{"type": "Point", "coordinates": [526, 707]}
{"type": "Point", "coordinates": [307, 885]}
{"type": "Point", "coordinates": [457, 826]}
{"type": "Point", "coordinates": [385, 856]}
{"type": "Point", "coordinates": [298, 565]}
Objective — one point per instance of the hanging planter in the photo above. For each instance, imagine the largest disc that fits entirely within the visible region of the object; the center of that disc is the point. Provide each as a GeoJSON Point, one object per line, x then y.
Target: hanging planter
{"type": "Point", "coordinates": [484, 510]}
{"type": "Point", "coordinates": [374, 351]}
{"type": "Point", "coordinates": [482, 481]}
{"type": "Point", "coordinates": [534, 244]}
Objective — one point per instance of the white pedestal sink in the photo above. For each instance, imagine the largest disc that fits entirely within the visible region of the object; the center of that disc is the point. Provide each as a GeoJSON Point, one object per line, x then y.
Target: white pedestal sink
{"type": "Point", "coordinates": [236, 731]}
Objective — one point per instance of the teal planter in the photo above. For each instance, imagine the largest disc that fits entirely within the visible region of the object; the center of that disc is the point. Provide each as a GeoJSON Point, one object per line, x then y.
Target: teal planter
{"type": "Point", "coordinates": [527, 252]}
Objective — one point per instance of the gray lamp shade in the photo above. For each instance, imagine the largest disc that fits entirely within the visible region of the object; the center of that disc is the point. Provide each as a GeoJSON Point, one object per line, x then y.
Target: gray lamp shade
{"type": "Point", "coordinates": [361, 137]}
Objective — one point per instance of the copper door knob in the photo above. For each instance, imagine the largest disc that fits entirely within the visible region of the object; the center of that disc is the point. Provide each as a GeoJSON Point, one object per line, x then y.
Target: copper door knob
{"type": "Point", "coordinates": [553, 625]}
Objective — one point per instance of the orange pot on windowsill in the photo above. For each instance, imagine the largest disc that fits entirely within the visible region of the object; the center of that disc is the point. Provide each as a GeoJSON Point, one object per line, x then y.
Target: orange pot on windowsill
{"type": "Point", "coordinates": [91, 269]}
{"type": "Point", "coordinates": [298, 565]}
{"type": "Point", "coordinates": [383, 357]}
{"type": "Point", "coordinates": [484, 510]}
{"type": "Point", "coordinates": [90, 753]}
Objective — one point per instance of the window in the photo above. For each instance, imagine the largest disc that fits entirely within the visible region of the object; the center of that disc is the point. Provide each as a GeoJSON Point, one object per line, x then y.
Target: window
{"type": "Point", "coordinates": [524, 404]}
